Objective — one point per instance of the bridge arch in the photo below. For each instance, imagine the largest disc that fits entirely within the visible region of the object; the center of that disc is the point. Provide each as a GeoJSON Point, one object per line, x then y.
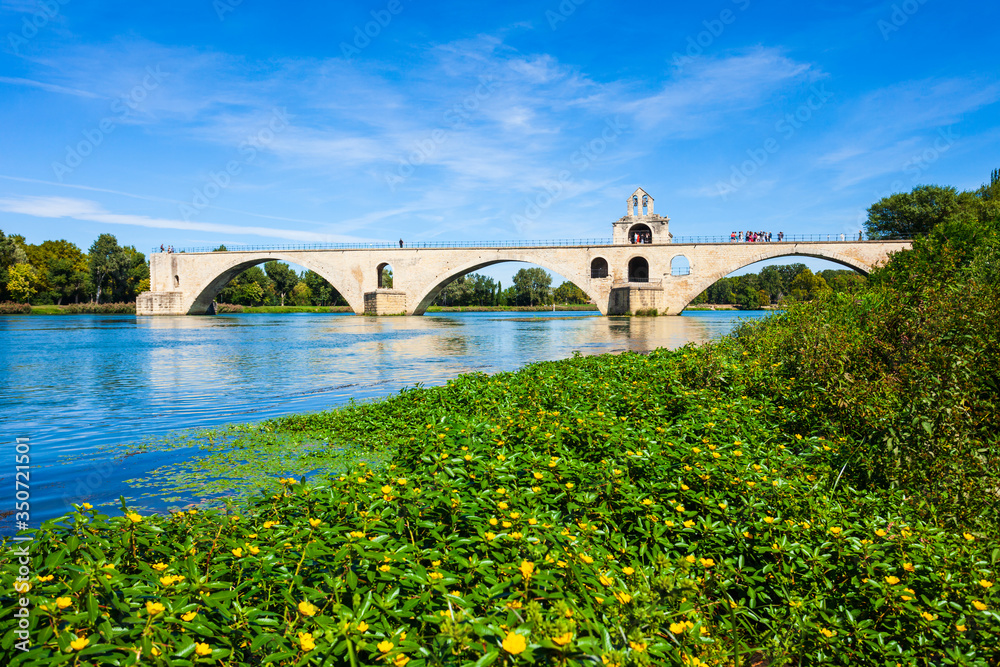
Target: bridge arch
{"type": "Point", "coordinates": [205, 293]}
{"type": "Point", "coordinates": [702, 283]}
{"type": "Point", "coordinates": [429, 292]}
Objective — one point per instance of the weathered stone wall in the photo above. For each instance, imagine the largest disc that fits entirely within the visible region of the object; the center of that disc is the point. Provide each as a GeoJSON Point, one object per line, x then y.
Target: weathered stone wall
{"type": "Point", "coordinates": [385, 302]}
{"type": "Point", "coordinates": [159, 303]}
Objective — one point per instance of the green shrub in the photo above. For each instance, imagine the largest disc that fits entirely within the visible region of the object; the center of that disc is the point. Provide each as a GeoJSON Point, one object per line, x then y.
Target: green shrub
{"type": "Point", "coordinates": [12, 308]}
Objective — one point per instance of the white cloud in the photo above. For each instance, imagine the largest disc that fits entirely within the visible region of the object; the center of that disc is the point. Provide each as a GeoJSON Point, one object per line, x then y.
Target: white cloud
{"type": "Point", "coordinates": [90, 211]}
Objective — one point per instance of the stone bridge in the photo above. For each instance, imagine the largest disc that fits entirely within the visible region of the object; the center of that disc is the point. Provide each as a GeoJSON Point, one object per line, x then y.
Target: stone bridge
{"type": "Point", "coordinates": [640, 268]}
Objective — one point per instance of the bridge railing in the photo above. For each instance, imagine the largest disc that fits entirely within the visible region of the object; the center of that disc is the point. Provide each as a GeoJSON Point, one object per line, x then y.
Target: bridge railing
{"type": "Point", "coordinates": [786, 238]}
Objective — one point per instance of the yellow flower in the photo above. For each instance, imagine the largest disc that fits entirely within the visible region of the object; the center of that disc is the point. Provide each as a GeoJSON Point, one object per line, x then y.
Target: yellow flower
{"type": "Point", "coordinates": [202, 649]}
{"type": "Point", "coordinates": [527, 569]}
{"type": "Point", "coordinates": [159, 567]}
{"type": "Point", "coordinates": [979, 605]}
{"type": "Point", "coordinates": [737, 453]}
{"type": "Point", "coordinates": [677, 628]}
{"type": "Point", "coordinates": [87, 506]}
{"type": "Point", "coordinates": [929, 616]}
{"type": "Point", "coordinates": [835, 530]}
{"type": "Point", "coordinates": [189, 616]}
{"type": "Point", "coordinates": [307, 609]}
{"type": "Point", "coordinates": [62, 603]}
{"type": "Point", "coordinates": [605, 580]}
{"type": "Point", "coordinates": [489, 536]}
{"type": "Point", "coordinates": [690, 558]}
{"type": "Point", "coordinates": [306, 641]}
{"type": "Point", "coordinates": [268, 524]}
{"type": "Point", "coordinates": [315, 522]}
{"type": "Point", "coordinates": [638, 647]}
{"type": "Point", "coordinates": [570, 485]}
{"type": "Point", "coordinates": [623, 598]}
{"type": "Point", "coordinates": [986, 584]}
{"type": "Point", "coordinates": [880, 532]}
{"type": "Point", "coordinates": [586, 559]}
{"type": "Point", "coordinates": [628, 571]}
{"type": "Point", "coordinates": [400, 660]}
{"type": "Point", "coordinates": [385, 646]}
{"type": "Point", "coordinates": [362, 627]}
{"type": "Point", "coordinates": [238, 552]}
{"type": "Point", "coordinates": [908, 567]}
{"type": "Point", "coordinates": [647, 502]}
{"type": "Point", "coordinates": [769, 519]}
{"type": "Point", "coordinates": [385, 568]}
{"type": "Point", "coordinates": [969, 536]}
{"type": "Point", "coordinates": [401, 481]}
{"type": "Point", "coordinates": [154, 608]}
{"type": "Point", "coordinates": [436, 575]}
{"type": "Point", "coordinates": [502, 506]}
{"type": "Point", "coordinates": [563, 639]}
{"type": "Point", "coordinates": [960, 628]}
{"type": "Point", "coordinates": [707, 562]}
{"type": "Point", "coordinates": [79, 643]}
{"type": "Point", "coordinates": [514, 643]}
{"type": "Point", "coordinates": [155, 651]}
{"type": "Point", "coordinates": [532, 522]}
{"type": "Point", "coordinates": [679, 508]}
{"type": "Point", "coordinates": [253, 550]}
{"type": "Point", "coordinates": [827, 633]}
{"type": "Point", "coordinates": [134, 518]}
{"type": "Point", "coordinates": [688, 523]}
{"type": "Point", "coordinates": [891, 580]}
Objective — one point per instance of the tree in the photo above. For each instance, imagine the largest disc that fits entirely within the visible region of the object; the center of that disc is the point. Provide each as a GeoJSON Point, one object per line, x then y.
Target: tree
{"type": "Point", "coordinates": [105, 259]}
{"type": "Point", "coordinates": [323, 293]}
{"type": "Point", "coordinates": [807, 286]}
{"type": "Point", "coordinates": [300, 295]}
{"type": "Point", "coordinates": [283, 278]}
{"type": "Point", "coordinates": [570, 293]}
{"type": "Point", "coordinates": [21, 280]}
{"type": "Point", "coordinates": [131, 270]}
{"type": "Point", "coordinates": [387, 277]}
{"type": "Point", "coordinates": [532, 286]}
{"type": "Point", "coordinates": [249, 288]}
{"type": "Point", "coordinates": [11, 253]}
{"type": "Point", "coordinates": [62, 270]}
{"type": "Point", "coordinates": [905, 215]}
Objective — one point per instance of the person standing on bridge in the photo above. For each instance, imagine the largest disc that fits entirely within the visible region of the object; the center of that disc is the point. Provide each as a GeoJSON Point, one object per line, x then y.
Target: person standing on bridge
{"type": "Point", "coordinates": [400, 243]}
{"type": "Point", "coordinates": [861, 235]}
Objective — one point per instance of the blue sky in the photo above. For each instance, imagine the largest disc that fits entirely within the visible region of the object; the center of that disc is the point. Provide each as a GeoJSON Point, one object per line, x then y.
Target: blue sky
{"type": "Point", "coordinates": [235, 121]}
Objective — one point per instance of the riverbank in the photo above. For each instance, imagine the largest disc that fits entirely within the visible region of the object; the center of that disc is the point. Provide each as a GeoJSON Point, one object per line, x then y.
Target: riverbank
{"type": "Point", "coordinates": [665, 516]}
{"type": "Point", "coordinates": [819, 488]}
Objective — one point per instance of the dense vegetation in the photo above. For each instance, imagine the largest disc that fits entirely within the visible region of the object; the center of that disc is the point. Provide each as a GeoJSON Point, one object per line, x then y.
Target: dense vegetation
{"type": "Point", "coordinates": [58, 272]}
{"type": "Point", "coordinates": [776, 284]}
{"type": "Point", "coordinates": [820, 488]}
{"type": "Point", "coordinates": [532, 287]}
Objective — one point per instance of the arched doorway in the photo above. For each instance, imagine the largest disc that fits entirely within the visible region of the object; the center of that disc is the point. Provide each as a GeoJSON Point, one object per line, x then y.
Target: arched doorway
{"type": "Point", "coordinates": [680, 266]}
{"type": "Point", "coordinates": [599, 268]}
{"type": "Point", "coordinates": [638, 270]}
{"type": "Point", "coordinates": [384, 275]}
{"type": "Point", "coordinates": [640, 234]}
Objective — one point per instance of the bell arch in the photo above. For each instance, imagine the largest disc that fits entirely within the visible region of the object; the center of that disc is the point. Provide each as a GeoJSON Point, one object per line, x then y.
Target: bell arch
{"type": "Point", "coordinates": [599, 268]}
{"type": "Point", "coordinates": [382, 278]}
{"type": "Point", "coordinates": [638, 270]}
{"type": "Point", "coordinates": [429, 293]}
{"type": "Point", "coordinates": [205, 294]}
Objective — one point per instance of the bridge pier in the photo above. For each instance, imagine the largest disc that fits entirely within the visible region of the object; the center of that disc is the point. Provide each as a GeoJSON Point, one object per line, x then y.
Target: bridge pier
{"type": "Point", "coordinates": [385, 302]}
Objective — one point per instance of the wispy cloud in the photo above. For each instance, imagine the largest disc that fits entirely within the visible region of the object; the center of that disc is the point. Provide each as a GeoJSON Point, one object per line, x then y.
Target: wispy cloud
{"type": "Point", "coordinates": [90, 211]}
{"type": "Point", "coordinates": [52, 88]}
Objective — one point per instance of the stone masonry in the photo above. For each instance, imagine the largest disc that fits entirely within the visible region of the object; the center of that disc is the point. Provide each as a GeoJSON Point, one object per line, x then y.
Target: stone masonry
{"type": "Point", "coordinates": [187, 283]}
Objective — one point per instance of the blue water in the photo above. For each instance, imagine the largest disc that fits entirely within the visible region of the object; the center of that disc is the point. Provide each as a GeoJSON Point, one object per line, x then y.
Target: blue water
{"type": "Point", "coordinates": [80, 386]}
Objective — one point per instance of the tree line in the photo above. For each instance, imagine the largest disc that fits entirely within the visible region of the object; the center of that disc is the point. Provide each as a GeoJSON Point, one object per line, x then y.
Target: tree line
{"type": "Point", "coordinates": [773, 284]}
{"type": "Point", "coordinates": [59, 272]}
{"type": "Point", "coordinates": [531, 287]}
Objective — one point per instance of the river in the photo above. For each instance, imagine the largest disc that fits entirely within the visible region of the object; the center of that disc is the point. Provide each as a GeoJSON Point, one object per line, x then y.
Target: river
{"type": "Point", "coordinates": [81, 387]}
